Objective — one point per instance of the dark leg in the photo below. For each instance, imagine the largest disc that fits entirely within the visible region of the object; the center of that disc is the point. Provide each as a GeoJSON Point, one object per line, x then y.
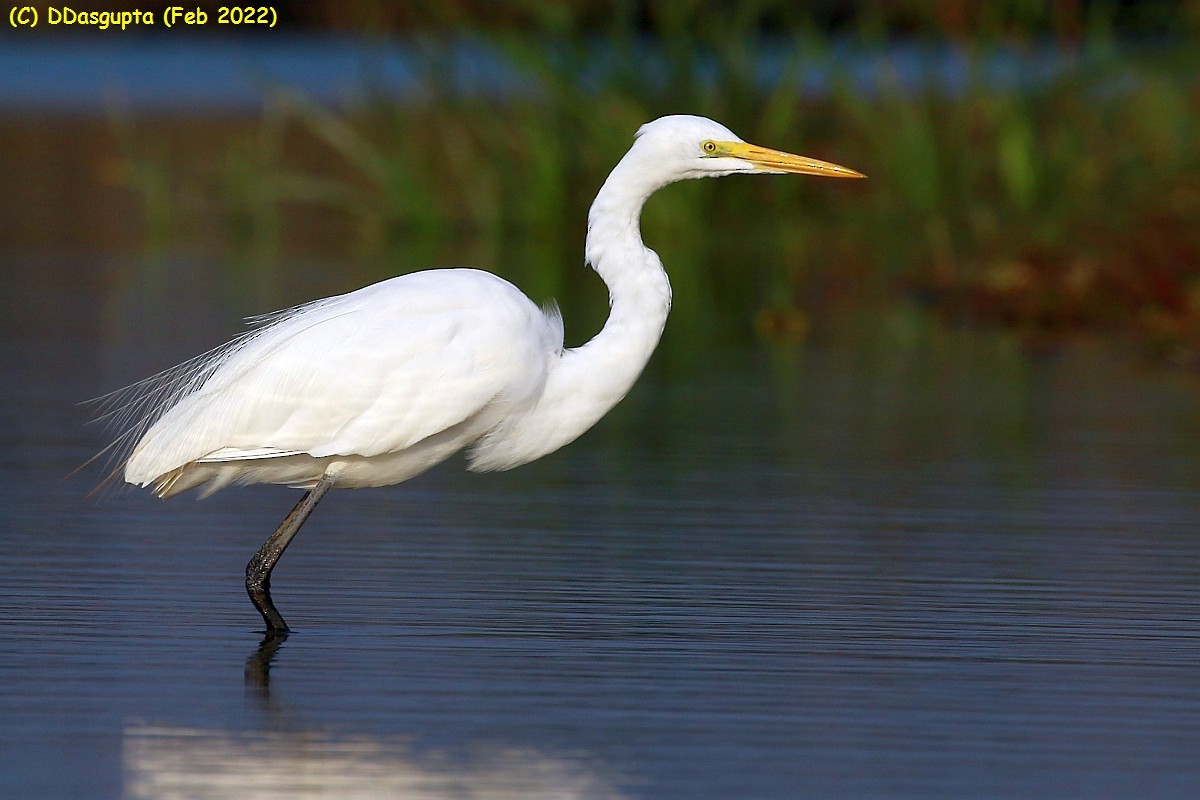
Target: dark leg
{"type": "Point", "coordinates": [258, 571]}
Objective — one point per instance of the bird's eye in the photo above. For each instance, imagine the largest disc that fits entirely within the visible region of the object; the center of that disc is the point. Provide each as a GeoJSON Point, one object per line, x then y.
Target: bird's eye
{"type": "Point", "coordinates": [709, 147]}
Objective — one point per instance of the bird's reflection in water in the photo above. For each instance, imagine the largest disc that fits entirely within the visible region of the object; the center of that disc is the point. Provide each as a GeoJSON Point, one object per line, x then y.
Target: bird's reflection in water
{"type": "Point", "coordinates": [258, 665]}
{"type": "Point", "coordinates": [188, 762]}
{"type": "Point", "coordinates": [289, 762]}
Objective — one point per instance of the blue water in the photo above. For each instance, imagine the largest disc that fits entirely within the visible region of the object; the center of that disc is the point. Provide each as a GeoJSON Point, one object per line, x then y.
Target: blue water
{"type": "Point", "coordinates": [103, 72]}
{"type": "Point", "coordinates": [904, 566]}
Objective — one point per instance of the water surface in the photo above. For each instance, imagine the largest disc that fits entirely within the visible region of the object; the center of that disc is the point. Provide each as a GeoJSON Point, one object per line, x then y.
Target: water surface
{"type": "Point", "coordinates": [927, 565]}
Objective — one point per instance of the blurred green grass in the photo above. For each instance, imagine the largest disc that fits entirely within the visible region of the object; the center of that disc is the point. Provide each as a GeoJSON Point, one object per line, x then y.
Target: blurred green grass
{"type": "Point", "coordinates": [1061, 205]}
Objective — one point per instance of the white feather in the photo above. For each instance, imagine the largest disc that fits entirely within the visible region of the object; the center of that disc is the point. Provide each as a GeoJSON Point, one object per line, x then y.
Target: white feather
{"type": "Point", "coordinates": [363, 374]}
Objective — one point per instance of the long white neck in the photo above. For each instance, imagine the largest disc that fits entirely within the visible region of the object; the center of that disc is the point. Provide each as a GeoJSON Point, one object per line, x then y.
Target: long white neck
{"type": "Point", "coordinates": [638, 289]}
{"type": "Point", "coordinates": [585, 382]}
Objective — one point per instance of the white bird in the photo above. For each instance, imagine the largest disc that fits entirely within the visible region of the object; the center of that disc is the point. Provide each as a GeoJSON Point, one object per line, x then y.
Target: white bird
{"type": "Point", "coordinates": [373, 387]}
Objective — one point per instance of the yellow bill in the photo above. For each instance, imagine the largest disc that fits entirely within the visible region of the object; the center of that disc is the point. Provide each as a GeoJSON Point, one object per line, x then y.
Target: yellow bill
{"type": "Point", "coordinates": [770, 160]}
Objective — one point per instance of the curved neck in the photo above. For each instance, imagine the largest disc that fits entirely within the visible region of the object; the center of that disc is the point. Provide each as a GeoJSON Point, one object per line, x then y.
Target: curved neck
{"type": "Point", "coordinates": [585, 382]}
{"type": "Point", "coordinates": [589, 380]}
{"type": "Point", "coordinates": [639, 292]}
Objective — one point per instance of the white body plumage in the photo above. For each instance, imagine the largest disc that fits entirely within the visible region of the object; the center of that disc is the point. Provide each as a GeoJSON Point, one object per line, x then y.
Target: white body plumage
{"type": "Point", "coordinates": [372, 387]}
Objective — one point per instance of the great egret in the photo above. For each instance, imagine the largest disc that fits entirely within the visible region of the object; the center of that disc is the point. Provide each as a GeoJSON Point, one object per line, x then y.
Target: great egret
{"type": "Point", "coordinates": [373, 387]}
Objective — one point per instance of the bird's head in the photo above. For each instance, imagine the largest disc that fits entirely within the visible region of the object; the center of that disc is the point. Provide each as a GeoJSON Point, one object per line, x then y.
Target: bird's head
{"type": "Point", "coordinates": [684, 146]}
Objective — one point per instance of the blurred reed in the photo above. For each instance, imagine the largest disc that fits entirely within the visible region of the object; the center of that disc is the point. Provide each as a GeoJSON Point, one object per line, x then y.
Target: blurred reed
{"type": "Point", "coordinates": [1061, 199]}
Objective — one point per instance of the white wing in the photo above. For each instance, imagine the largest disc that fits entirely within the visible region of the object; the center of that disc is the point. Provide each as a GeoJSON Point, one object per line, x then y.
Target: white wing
{"type": "Point", "coordinates": [366, 373]}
